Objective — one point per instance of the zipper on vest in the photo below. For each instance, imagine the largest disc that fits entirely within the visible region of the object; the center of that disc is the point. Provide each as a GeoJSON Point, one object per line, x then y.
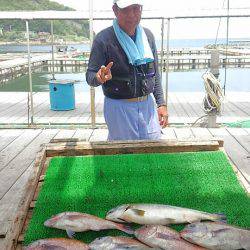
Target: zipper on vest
{"type": "Point", "coordinates": [135, 79]}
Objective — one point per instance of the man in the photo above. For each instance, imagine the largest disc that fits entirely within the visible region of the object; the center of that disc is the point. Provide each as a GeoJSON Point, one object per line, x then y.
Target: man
{"type": "Point", "coordinates": [130, 76]}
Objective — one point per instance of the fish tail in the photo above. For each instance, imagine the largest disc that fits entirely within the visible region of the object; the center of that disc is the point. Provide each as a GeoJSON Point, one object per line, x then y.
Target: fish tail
{"type": "Point", "coordinates": [220, 217]}
{"type": "Point", "coordinates": [126, 229]}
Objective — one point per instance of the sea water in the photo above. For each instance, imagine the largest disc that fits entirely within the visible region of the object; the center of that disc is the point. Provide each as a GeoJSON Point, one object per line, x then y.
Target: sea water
{"type": "Point", "coordinates": [188, 81]}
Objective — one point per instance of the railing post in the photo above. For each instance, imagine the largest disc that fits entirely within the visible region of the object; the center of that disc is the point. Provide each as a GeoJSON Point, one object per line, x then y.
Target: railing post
{"type": "Point", "coordinates": [53, 54]}
{"type": "Point", "coordinates": [92, 89]}
{"type": "Point", "coordinates": [225, 81]}
{"type": "Point", "coordinates": [167, 60]}
{"type": "Point", "coordinates": [30, 96]}
{"type": "Point", "coordinates": [162, 44]}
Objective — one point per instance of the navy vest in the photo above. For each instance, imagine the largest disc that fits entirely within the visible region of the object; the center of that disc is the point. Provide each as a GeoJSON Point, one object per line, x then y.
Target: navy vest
{"type": "Point", "coordinates": [127, 81]}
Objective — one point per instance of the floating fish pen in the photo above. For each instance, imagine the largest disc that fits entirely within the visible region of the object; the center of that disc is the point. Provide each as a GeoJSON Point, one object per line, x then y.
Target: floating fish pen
{"type": "Point", "coordinates": [181, 61]}
{"type": "Point", "coordinates": [15, 71]}
{"type": "Point", "coordinates": [93, 177]}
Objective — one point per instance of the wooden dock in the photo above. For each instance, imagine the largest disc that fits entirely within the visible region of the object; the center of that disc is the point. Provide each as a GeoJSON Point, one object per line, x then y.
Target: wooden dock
{"type": "Point", "coordinates": [13, 68]}
{"type": "Point", "coordinates": [184, 108]}
{"type": "Point", "coordinates": [19, 147]}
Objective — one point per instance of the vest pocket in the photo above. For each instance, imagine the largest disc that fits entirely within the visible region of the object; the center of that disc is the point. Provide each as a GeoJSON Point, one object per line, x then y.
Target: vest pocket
{"type": "Point", "coordinates": [118, 89]}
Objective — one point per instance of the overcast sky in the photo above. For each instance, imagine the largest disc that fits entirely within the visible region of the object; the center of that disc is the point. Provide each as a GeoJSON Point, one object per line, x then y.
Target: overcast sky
{"type": "Point", "coordinates": [187, 28]}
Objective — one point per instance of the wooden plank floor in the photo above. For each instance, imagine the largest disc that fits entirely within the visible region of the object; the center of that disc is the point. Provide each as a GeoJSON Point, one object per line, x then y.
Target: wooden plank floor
{"type": "Point", "coordinates": [18, 149]}
{"type": "Point", "coordinates": [184, 107]}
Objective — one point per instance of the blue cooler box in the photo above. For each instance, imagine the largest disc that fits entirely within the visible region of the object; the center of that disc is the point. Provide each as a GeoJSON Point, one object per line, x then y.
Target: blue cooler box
{"type": "Point", "coordinates": [62, 95]}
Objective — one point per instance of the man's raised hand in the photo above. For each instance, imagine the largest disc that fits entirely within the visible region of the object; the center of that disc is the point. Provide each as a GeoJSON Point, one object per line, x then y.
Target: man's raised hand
{"type": "Point", "coordinates": [104, 73]}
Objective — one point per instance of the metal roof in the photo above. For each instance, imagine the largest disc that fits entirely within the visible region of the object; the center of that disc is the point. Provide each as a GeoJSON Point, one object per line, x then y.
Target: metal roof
{"type": "Point", "coordinates": [147, 14]}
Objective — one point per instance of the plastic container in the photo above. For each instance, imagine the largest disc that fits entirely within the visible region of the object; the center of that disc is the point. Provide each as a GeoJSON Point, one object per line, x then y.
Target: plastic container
{"type": "Point", "coordinates": [62, 95]}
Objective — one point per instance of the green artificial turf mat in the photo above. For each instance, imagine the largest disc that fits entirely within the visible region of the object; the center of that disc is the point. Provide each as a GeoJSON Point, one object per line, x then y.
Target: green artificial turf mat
{"type": "Point", "coordinates": [239, 124]}
{"type": "Point", "coordinates": [95, 184]}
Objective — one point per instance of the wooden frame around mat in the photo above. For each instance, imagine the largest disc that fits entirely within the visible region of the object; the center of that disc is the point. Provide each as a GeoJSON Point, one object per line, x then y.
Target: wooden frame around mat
{"type": "Point", "coordinates": [75, 147]}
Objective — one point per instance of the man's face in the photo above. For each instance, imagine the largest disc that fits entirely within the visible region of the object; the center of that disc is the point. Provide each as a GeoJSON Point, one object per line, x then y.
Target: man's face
{"type": "Point", "coordinates": [129, 17]}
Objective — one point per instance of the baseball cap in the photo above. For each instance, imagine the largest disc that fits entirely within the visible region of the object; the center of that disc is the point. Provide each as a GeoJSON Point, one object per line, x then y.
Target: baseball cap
{"type": "Point", "coordinates": [126, 3]}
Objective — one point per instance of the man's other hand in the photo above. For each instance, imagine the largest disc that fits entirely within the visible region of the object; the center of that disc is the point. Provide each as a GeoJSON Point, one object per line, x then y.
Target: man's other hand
{"type": "Point", "coordinates": [104, 73]}
{"type": "Point", "coordinates": [163, 116]}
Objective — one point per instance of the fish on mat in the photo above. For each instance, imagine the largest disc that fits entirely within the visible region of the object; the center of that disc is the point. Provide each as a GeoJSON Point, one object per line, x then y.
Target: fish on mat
{"type": "Point", "coordinates": [215, 235]}
{"type": "Point", "coordinates": [115, 243]}
{"type": "Point", "coordinates": [164, 238]}
{"type": "Point", "coordinates": [157, 214]}
{"type": "Point", "coordinates": [57, 244]}
{"type": "Point", "coordinates": [79, 222]}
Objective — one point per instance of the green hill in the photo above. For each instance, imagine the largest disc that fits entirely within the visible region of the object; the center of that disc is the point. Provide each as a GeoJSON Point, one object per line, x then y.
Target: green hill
{"type": "Point", "coordinates": [14, 29]}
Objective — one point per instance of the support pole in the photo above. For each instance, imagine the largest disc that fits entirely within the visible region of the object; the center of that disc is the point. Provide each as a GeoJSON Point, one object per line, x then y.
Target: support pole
{"type": "Point", "coordinates": [225, 81]}
{"type": "Point", "coordinates": [162, 44]}
{"type": "Point", "coordinates": [53, 54]}
{"type": "Point", "coordinates": [92, 89]}
{"type": "Point", "coordinates": [215, 64]}
{"type": "Point", "coordinates": [167, 58]}
{"type": "Point", "coordinates": [30, 99]}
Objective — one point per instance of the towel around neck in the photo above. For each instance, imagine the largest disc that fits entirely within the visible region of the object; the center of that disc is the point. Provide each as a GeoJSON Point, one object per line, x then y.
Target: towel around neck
{"type": "Point", "coordinates": [138, 52]}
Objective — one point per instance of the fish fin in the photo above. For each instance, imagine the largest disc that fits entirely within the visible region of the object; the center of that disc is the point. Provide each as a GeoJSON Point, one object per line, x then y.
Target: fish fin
{"type": "Point", "coordinates": [70, 233]}
{"type": "Point", "coordinates": [125, 229]}
{"type": "Point", "coordinates": [221, 217]}
{"type": "Point", "coordinates": [171, 221]}
{"type": "Point", "coordinates": [138, 211]}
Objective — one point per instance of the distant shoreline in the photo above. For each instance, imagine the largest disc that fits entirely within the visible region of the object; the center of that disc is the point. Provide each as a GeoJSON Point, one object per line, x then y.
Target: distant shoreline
{"type": "Point", "coordinates": [41, 44]}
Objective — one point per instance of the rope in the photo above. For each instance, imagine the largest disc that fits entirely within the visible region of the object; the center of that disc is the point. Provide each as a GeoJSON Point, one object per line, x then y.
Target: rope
{"type": "Point", "coordinates": [214, 94]}
{"type": "Point", "coordinates": [217, 33]}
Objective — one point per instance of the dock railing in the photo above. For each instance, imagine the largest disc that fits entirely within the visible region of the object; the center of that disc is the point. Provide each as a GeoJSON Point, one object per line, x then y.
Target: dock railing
{"type": "Point", "coordinates": [77, 15]}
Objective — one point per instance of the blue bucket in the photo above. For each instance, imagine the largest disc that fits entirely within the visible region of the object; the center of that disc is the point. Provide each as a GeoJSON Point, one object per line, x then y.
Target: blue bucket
{"type": "Point", "coordinates": [62, 95]}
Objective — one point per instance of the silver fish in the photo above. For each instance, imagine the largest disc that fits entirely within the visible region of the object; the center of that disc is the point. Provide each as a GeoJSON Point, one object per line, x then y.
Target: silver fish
{"type": "Point", "coordinates": [214, 235]}
{"type": "Point", "coordinates": [57, 244]}
{"type": "Point", "coordinates": [115, 243]}
{"type": "Point", "coordinates": [164, 238]}
{"type": "Point", "coordinates": [156, 214]}
{"type": "Point", "coordinates": [79, 222]}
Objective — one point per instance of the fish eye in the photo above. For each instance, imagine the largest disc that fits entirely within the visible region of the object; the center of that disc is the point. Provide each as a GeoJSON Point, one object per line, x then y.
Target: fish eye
{"type": "Point", "coordinates": [127, 207]}
{"type": "Point", "coordinates": [111, 211]}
